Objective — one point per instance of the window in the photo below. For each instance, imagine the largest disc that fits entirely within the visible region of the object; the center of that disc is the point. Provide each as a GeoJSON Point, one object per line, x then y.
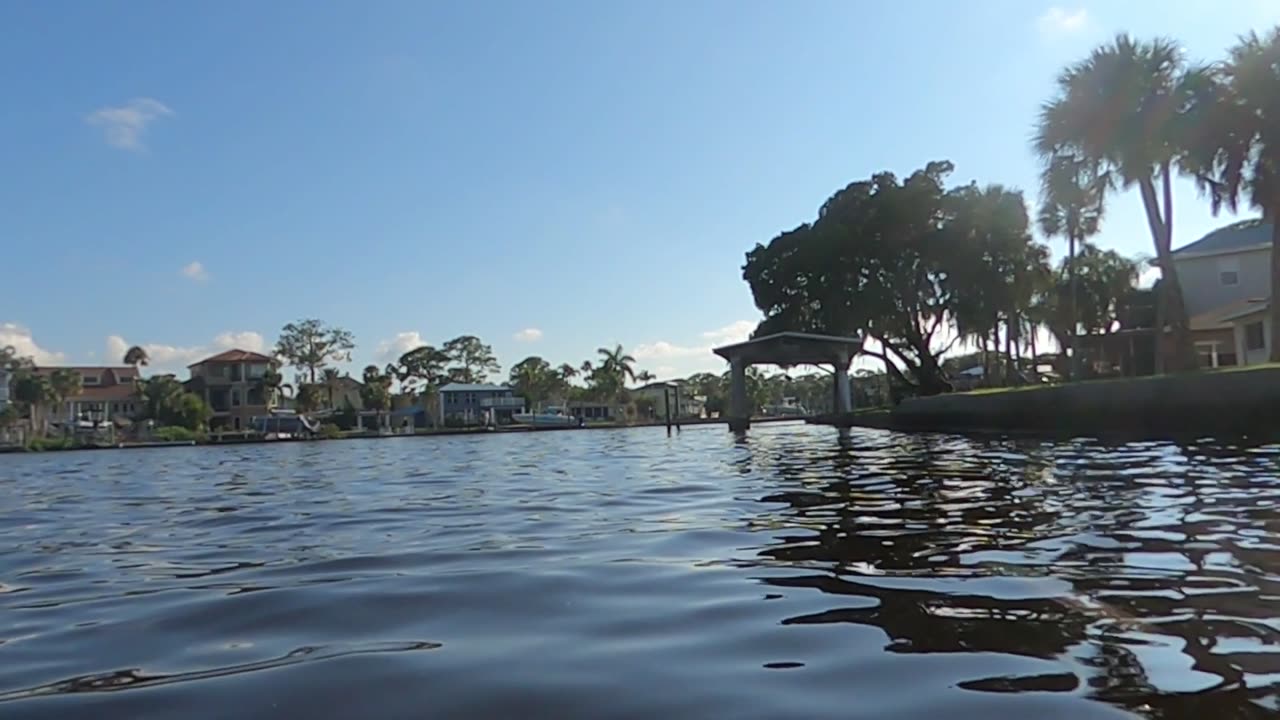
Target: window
{"type": "Point", "coordinates": [1254, 338]}
{"type": "Point", "coordinates": [235, 398]}
{"type": "Point", "coordinates": [1229, 271]}
{"type": "Point", "coordinates": [91, 380]}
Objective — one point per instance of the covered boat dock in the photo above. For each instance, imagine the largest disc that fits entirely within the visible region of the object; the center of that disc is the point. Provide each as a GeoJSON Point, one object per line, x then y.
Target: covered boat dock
{"type": "Point", "coordinates": [787, 349]}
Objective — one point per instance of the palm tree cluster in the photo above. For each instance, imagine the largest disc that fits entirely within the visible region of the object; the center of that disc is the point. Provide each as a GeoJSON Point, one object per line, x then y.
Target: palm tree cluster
{"type": "Point", "coordinates": [1136, 114]}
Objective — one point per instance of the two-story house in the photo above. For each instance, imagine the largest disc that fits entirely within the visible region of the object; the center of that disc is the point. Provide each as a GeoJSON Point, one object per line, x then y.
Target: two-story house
{"type": "Point", "coordinates": [473, 404]}
{"type": "Point", "coordinates": [231, 385]}
{"type": "Point", "coordinates": [1226, 285]}
{"type": "Point", "coordinates": [663, 394]}
{"type": "Point", "coordinates": [106, 394]}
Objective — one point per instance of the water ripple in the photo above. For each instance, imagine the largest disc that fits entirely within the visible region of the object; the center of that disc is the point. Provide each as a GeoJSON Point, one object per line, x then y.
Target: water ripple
{"type": "Point", "coordinates": [628, 574]}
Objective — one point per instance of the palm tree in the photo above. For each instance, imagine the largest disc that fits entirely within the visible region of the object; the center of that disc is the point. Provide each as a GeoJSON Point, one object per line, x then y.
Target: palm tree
{"type": "Point", "coordinates": [65, 383]}
{"type": "Point", "coordinates": [616, 367]}
{"type": "Point", "coordinates": [617, 362]}
{"type": "Point", "coordinates": [34, 392]}
{"type": "Point", "coordinates": [137, 357]}
{"type": "Point", "coordinates": [644, 377]}
{"type": "Point", "coordinates": [1241, 143]}
{"type": "Point", "coordinates": [1073, 190]}
{"type": "Point", "coordinates": [331, 378]}
{"type": "Point", "coordinates": [1134, 108]}
{"type": "Point", "coordinates": [271, 384]}
{"type": "Point", "coordinates": [567, 372]}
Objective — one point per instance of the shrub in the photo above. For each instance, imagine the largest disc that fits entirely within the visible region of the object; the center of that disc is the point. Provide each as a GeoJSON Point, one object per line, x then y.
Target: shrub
{"type": "Point", "coordinates": [330, 431]}
{"type": "Point", "coordinates": [175, 433]}
{"type": "Point", "coordinates": [54, 443]}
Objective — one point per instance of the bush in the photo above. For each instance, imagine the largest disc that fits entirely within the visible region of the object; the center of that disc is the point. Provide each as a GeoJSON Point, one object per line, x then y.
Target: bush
{"type": "Point", "coordinates": [54, 443]}
{"type": "Point", "coordinates": [329, 431]}
{"type": "Point", "coordinates": [175, 433]}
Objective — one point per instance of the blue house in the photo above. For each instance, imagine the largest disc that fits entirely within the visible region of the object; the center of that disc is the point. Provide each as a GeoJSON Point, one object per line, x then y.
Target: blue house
{"type": "Point", "coordinates": [475, 404]}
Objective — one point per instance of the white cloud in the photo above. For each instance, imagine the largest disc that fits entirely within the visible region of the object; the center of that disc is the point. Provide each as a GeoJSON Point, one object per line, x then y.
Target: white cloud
{"type": "Point", "coordinates": [195, 270]}
{"type": "Point", "coordinates": [1058, 20]}
{"type": "Point", "coordinates": [528, 335]}
{"type": "Point", "coordinates": [20, 339]}
{"type": "Point", "coordinates": [124, 125]}
{"type": "Point", "coordinates": [403, 342]}
{"type": "Point", "coordinates": [662, 349]}
{"type": "Point", "coordinates": [174, 358]}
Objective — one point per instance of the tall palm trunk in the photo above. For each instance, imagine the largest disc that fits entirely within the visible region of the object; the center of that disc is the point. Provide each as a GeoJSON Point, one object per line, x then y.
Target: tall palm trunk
{"type": "Point", "coordinates": [1181, 356]}
{"type": "Point", "coordinates": [1073, 372]}
{"type": "Point", "coordinates": [1275, 283]}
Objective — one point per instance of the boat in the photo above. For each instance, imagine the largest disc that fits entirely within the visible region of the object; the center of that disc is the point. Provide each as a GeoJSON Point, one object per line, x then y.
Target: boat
{"type": "Point", "coordinates": [550, 417]}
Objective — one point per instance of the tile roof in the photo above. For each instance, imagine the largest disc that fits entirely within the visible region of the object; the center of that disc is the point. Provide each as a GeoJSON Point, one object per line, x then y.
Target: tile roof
{"type": "Point", "coordinates": [1238, 236]}
{"type": "Point", "coordinates": [234, 355]}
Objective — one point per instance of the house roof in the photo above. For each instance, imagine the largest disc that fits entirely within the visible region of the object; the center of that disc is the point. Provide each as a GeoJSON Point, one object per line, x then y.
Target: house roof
{"type": "Point", "coordinates": [121, 374]}
{"type": "Point", "coordinates": [791, 348]}
{"type": "Point", "coordinates": [1252, 234]}
{"type": "Point", "coordinates": [472, 387]}
{"type": "Point", "coordinates": [234, 355]}
{"type": "Point", "coordinates": [1253, 308]}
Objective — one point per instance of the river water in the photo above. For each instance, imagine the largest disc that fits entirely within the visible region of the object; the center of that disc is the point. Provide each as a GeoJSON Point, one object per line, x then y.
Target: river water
{"type": "Point", "coordinates": [791, 573]}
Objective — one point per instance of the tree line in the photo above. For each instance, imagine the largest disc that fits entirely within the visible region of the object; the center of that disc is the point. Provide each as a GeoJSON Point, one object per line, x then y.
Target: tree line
{"type": "Point", "coordinates": [918, 267]}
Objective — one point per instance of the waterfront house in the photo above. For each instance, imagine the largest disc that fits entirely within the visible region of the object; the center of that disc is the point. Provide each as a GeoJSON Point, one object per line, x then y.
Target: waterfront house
{"type": "Point", "coordinates": [5, 378]}
{"type": "Point", "coordinates": [231, 385]}
{"type": "Point", "coordinates": [593, 411]}
{"type": "Point", "coordinates": [1226, 281]}
{"type": "Point", "coordinates": [474, 403]}
{"type": "Point", "coordinates": [664, 393]}
{"type": "Point", "coordinates": [107, 394]}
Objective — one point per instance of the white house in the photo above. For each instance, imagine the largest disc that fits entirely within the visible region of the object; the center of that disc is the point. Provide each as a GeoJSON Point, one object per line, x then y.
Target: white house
{"type": "Point", "coordinates": [1226, 283]}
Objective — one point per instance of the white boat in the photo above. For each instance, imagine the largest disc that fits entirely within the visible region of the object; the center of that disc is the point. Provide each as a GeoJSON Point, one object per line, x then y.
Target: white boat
{"type": "Point", "coordinates": [549, 417]}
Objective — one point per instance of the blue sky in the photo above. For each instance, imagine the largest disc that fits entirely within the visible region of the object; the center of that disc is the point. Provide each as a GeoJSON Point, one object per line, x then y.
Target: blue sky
{"type": "Point", "coordinates": [551, 177]}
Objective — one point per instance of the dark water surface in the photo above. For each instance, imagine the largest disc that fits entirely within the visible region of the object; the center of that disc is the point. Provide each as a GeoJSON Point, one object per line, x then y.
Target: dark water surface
{"type": "Point", "coordinates": [790, 574]}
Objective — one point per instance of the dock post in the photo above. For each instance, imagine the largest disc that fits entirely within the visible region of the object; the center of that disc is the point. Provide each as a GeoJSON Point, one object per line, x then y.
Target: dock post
{"type": "Point", "coordinates": [739, 415]}
{"type": "Point", "coordinates": [676, 391]}
{"type": "Point", "coordinates": [844, 397]}
{"type": "Point", "coordinates": [666, 406]}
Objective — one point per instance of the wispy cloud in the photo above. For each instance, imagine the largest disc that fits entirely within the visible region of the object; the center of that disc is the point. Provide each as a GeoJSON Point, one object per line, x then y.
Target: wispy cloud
{"type": "Point", "coordinates": [1059, 20]}
{"type": "Point", "coordinates": [528, 335]}
{"type": "Point", "coordinates": [19, 337]}
{"type": "Point", "coordinates": [173, 358]}
{"type": "Point", "coordinates": [195, 270]}
{"type": "Point", "coordinates": [124, 126]}
{"type": "Point", "coordinates": [662, 349]}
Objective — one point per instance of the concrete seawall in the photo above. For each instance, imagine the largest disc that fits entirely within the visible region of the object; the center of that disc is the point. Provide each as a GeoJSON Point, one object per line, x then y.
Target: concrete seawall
{"type": "Point", "coordinates": [1224, 402]}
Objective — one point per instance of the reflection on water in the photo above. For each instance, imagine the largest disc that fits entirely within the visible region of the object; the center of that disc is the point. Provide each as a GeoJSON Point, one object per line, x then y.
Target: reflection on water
{"type": "Point", "coordinates": [791, 572]}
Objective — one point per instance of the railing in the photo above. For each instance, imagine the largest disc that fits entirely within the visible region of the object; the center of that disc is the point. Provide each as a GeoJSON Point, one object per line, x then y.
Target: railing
{"type": "Point", "coordinates": [502, 403]}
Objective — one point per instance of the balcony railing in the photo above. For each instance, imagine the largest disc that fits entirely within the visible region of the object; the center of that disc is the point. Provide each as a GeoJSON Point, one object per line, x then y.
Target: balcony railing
{"type": "Point", "coordinates": [502, 403]}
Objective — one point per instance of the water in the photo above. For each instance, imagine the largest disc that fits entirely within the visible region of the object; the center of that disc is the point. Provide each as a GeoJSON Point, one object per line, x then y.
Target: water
{"type": "Point", "coordinates": [795, 573]}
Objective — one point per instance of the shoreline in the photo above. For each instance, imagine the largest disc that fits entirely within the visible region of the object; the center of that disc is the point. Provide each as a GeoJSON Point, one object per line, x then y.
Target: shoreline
{"type": "Point", "coordinates": [1232, 402]}
{"type": "Point", "coordinates": [424, 433]}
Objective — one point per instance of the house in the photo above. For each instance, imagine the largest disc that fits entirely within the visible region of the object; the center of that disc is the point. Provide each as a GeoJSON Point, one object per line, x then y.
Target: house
{"type": "Point", "coordinates": [1226, 280]}
{"type": "Point", "coordinates": [5, 378]}
{"type": "Point", "coordinates": [477, 403]}
{"type": "Point", "coordinates": [664, 393]}
{"type": "Point", "coordinates": [231, 385]}
{"type": "Point", "coordinates": [346, 390]}
{"type": "Point", "coordinates": [592, 411]}
{"type": "Point", "coordinates": [106, 393]}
